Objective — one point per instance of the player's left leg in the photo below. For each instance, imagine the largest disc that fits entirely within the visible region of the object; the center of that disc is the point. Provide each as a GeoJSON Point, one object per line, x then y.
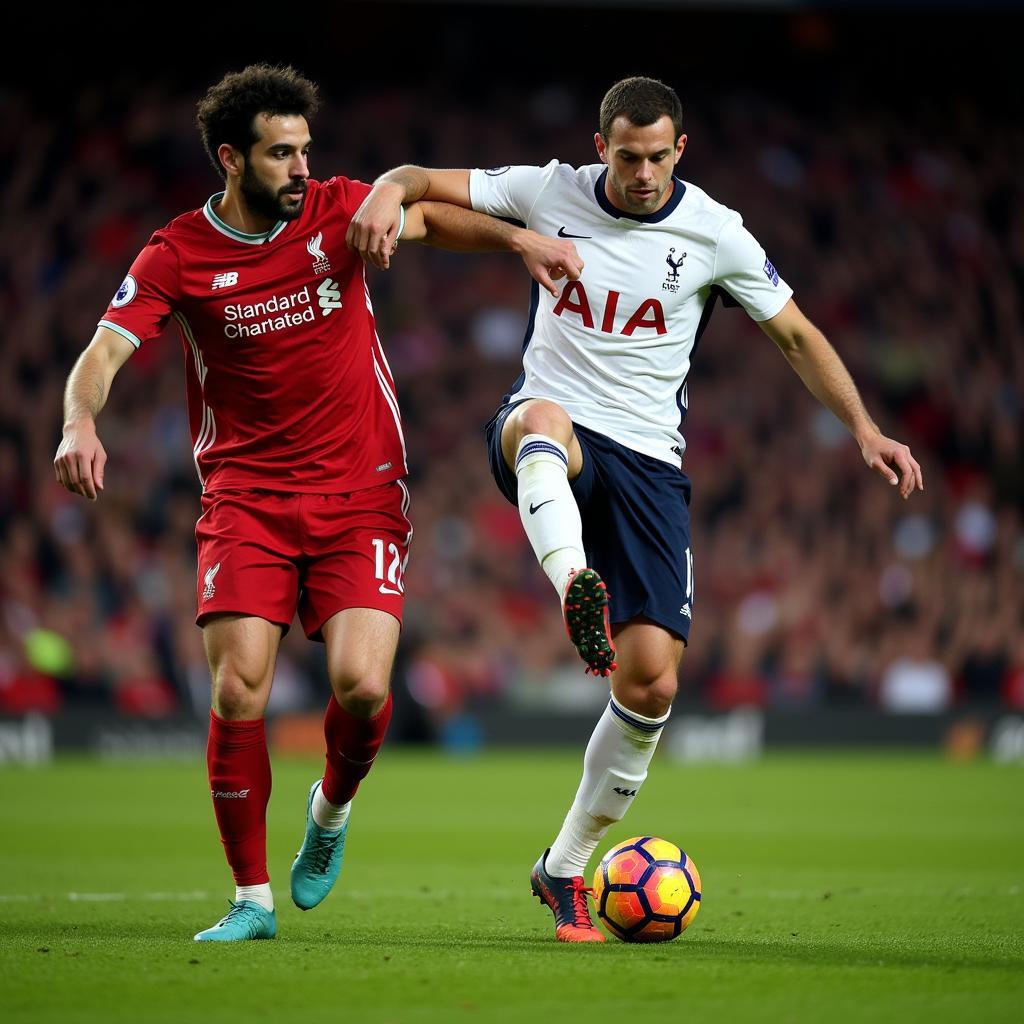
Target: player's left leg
{"type": "Point", "coordinates": [361, 645]}
{"type": "Point", "coordinates": [637, 534]}
{"type": "Point", "coordinates": [614, 767]}
{"type": "Point", "coordinates": [622, 743]}
{"type": "Point", "coordinates": [353, 596]}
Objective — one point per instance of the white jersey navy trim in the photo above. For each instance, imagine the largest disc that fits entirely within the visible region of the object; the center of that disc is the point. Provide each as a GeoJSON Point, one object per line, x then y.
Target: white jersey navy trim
{"type": "Point", "coordinates": [678, 191]}
{"type": "Point", "coordinates": [614, 349]}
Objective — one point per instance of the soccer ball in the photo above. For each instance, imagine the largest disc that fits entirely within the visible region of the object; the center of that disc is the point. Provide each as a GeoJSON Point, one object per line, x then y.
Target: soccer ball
{"type": "Point", "coordinates": [646, 890]}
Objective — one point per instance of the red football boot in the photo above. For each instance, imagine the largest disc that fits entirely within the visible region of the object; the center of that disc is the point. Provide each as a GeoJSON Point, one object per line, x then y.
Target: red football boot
{"type": "Point", "coordinates": [585, 607]}
{"type": "Point", "coordinates": [567, 899]}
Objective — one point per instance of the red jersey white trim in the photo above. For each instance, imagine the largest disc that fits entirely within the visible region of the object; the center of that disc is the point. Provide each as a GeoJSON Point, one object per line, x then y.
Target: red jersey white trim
{"type": "Point", "coordinates": [281, 342]}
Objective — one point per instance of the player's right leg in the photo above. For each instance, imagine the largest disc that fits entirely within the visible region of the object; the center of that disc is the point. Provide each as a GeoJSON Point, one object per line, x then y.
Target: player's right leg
{"type": "Point", "coordinates": [241, 650]}
{"type": "Point", "coordinates": [539, 445]}
{"type": "Point", "coordinates": [247, 591]}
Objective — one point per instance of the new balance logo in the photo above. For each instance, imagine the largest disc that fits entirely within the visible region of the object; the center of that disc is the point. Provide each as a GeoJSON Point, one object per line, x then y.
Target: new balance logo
{"type": "Point", "coordinates": [222, 794]}
{"type": "Point", "coordinates": [225, 280]}
{"type": "Point", "coordinates": [624, 792]}
{"type": "Point", "coordinates": [330, 296]}
{"type": "Point", "coordinates": [208, 588]}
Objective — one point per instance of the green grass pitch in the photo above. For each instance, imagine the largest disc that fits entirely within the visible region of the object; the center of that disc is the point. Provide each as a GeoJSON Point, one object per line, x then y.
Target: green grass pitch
{"type": "Point", "coordinates": [836, 888]}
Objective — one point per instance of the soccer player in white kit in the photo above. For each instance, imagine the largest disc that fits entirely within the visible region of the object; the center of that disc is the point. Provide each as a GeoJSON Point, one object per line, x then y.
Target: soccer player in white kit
{"type": "Point", "coordinates": [588, 441]}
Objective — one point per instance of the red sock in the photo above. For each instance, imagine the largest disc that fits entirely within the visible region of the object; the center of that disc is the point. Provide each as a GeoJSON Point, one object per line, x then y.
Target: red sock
{"type": "Point", "coordinates": [352, 744]}
{"type": "Point", "coordinates": [239, 766]}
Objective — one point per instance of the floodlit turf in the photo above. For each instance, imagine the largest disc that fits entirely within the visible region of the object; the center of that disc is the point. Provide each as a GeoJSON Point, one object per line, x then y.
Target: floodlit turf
{"type": "Point", "coordinates": [836, 888]}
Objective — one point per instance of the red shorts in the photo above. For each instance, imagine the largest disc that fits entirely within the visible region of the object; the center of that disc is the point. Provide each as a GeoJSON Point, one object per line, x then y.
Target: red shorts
{"type": "Point", "coordinates": [268, 553]}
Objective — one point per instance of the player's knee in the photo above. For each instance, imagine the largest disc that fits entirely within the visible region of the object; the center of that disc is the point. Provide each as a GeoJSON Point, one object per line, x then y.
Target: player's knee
{"type": "Point", "coordinates": [235, 697]}
{"type": "Point", "coordinates": [541, 417]}
{"type": "Point", "coordinates": [650, 696]}
{"type": "Point", "coordinates": [663, 690]}
{"type": "Point", "coordinates": [362, 696]}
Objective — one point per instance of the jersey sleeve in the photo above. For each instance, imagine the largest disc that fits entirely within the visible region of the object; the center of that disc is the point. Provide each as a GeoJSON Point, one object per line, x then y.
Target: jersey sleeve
{"type": "Point", "coordinates": [140, 307]}
{"type": "Point", "coordinates": [746, 273]}
{"type": "Point", "coordinates": [346, 193]}
{"type": "Point", "coordinates": [349, 196]}
{"type": "Point", "coordinates": [508, 191]}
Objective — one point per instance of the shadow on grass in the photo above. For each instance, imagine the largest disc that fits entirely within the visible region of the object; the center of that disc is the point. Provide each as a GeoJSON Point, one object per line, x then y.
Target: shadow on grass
{"type": "Point", "coordinates": [328, 938]}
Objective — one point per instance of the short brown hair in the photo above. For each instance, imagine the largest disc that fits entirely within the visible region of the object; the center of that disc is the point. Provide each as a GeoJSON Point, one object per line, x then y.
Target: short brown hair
{"type": "Point", "coordinates": [642, 101]}
{"type": "Point", "coordinates": [227, 111]}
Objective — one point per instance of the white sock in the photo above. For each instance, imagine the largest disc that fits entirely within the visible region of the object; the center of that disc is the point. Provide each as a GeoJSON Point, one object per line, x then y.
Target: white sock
{"type": "Point", "coordinates": [614, 767]}
{"type": "Point", "coordinates": [260, 894]}
{"type": "Point", "coordinates": [550, 515]}
{"type": "Point", "coordinates": [328, 815]}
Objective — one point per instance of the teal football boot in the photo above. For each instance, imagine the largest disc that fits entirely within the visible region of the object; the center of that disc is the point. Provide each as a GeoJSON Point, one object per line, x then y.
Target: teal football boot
{"type": "Point", "coordinates": [245, 920]}
{"type": "Point", "coordinates": [318, 862]}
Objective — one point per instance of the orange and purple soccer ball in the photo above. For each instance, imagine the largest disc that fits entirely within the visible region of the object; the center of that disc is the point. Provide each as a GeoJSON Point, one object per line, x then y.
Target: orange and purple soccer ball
{"type": "Point", "coordinates": [646, 890]}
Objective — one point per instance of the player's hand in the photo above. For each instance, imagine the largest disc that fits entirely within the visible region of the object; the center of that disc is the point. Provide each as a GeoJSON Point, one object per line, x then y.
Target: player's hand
{"type": "Point", "coordinates": [885, 456]}
{"type": "Point", "coordinates": [80, 460]}
{"type": "Point", "coordinates": [373, 232]}
{"type": "Point", "coordinates": [548, 259]}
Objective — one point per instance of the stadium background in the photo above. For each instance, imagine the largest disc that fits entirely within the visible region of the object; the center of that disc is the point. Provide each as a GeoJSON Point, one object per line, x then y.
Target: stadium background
{"type": "Point", "coordinates": [875, 154]}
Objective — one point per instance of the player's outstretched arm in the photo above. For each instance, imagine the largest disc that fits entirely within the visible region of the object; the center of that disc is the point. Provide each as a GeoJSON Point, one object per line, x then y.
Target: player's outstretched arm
{"type": "Point", "coordinates": [80, 458]}
{"type": "Point", "coordinates": [820, 368]}
{"type": "Point", "coordinates": [451, 227]}
{"type": "Point", "coordinates": [375, 225]}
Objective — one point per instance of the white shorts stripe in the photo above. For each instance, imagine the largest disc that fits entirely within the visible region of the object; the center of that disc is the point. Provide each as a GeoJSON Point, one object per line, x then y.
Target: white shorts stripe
{"type": "Point", "coordinates": [406, 502]}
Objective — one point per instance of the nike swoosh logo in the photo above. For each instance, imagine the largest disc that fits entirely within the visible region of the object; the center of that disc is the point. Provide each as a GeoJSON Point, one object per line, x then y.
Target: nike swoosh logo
{"type": "Point", "coordinates": [387, 590]}
{"type": "Point", "coordinates": [563, 234]}
{"type": "Point", "coordinates": [533, 508]}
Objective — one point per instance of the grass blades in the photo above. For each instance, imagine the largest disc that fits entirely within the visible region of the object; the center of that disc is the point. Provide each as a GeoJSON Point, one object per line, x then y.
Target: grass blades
{"type": "Point", "coordinates": [836, 888]}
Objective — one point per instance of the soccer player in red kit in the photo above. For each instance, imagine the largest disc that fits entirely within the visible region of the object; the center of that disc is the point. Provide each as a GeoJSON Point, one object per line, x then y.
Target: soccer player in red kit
{"type": "Point", "coordinates": [298, 444]}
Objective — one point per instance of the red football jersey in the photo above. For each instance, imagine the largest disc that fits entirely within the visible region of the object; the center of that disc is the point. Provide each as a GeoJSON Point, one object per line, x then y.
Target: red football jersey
{"type": "Point", "coordinates": [288, 387]}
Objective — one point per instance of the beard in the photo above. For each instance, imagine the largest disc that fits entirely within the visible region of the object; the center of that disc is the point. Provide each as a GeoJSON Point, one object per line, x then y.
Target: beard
{"type": "Point", "coordinates": [264, 200]}
{"type": "Point", "coordinates": [633, 204]}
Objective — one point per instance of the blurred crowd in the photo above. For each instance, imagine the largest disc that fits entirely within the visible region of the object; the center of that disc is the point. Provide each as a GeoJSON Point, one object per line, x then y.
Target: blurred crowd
{"type": "Point", "coordinates": [902, 233]}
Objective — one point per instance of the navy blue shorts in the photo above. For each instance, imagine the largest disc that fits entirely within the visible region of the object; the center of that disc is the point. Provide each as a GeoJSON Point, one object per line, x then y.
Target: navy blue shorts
{"type": "Point", "coordinates": [636, 525]}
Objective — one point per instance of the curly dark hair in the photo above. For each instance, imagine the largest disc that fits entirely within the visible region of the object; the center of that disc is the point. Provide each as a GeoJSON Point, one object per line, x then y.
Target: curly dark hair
{"type": "Point", "coordinates": [642, 101]}
{"type": "Point", "coordinates": [227, 111]}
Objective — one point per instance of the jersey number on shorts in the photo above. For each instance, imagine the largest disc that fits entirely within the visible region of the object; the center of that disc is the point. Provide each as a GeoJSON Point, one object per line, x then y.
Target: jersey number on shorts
{"type": "Point", "coordinates": [392, 583]}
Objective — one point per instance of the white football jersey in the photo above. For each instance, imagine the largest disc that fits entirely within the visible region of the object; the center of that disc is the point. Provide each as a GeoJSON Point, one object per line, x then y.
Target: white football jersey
{"type": "Point", "coordinates": [614, 348]}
